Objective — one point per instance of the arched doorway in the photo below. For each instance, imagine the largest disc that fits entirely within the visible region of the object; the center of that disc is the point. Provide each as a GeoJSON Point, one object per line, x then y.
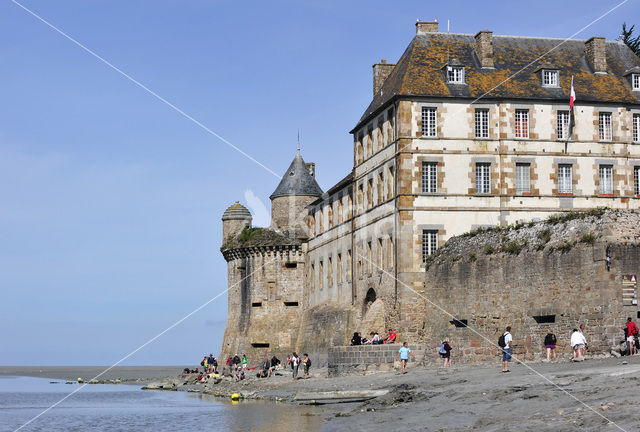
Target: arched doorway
{"type": "Point", "coordinates": [373, 314]}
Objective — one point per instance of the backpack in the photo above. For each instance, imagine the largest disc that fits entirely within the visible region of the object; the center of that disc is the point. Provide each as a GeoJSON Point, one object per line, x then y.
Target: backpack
{"type": "Point", "coordinates": [501, 342]}
{"type": "Point", "coordinates": [441, 350]}
{"type": "Point", "coordinates": [308, 362]}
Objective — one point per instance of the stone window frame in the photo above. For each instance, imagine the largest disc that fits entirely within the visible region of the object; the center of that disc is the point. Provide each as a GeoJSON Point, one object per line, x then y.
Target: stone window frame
{"type": "Point", "coordinates": [575, 177]}
{"type": "Point", "coordinates": [390, 116]}
{"type": "Point", "coordinates": [567, 129]}
{"type": "Point", "coordinates": [389, 251]}
{"type": "Point", "coordinates": [440, 174]}
{"type": "Point", "coordinates": [339, 268]}
{"type": "Point", "coordinates": [329, 271]}
{"type": "Point", "coordinates": [348, 269]}
{"type": "Point", "coordinates": [423, 109]}
{"type": "Point", "coordinates": [493, 176]}
{"type": "Point", "coordinates": [617, 177]}
{"type": "Point", "coordinates": [602, 186]}
{"type": "Point", "coordinates": [517, 111]}
{"type": "Point", "coordinates": [602, 136]}
{"type": "Point", "coordinates": [359, 150]}
{"type": "Point", "coordinates": [487, 111]}
{"type": "Point", "coordinates": [440, 233]}
{"type": "Point", "coordinates": [320, 274]}
{"type": "Point", "coordinates": [330, 221]}
{"type": "Point", "coordinates": [533, 176]}
{"type": "Point", "coordinates": [635, 126]}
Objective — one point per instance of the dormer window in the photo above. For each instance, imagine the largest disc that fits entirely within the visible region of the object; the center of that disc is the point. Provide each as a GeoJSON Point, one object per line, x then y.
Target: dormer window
{"type": "Point", "coordinates": [455, 74]}
{"type": "Point", "coordinates": [550, 78]}
{"type": "Point", "coordinates": [635, 82]}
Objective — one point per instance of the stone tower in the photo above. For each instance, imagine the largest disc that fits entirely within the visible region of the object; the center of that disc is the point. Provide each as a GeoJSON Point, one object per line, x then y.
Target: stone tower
{"type": "Point", "coordinates": [297, 189]}
{"type": "Point", "coordinates": [234, 220]}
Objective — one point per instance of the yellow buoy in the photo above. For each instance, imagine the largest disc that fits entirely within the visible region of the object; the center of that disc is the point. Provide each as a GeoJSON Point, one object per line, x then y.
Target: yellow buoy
{"type": "Point", "coordinates": [80, 380]}
{"type": "Point", "coordinates": [235, 397]}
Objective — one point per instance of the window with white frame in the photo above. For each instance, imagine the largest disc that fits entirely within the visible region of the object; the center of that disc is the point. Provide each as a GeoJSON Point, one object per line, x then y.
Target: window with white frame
{"type": "Point", "coordinates": [429, 177]}
{"type": "Point", "coordinates": [429, 243]}
{"type": "Point", "coordinates": [483, 178]}
{"type": "Point", "coordinates": [563, 125]}
{"type": "Point", "coordinates": [604, 126]}
{"type": "Point", "coordinates": [482, 123]}
{"type": "Point", "coordinates": [429, 122]}
{"type": "Point", "coordinates": [606, 179]}
{"type": "Point", "coordinates": [565, 184]}
{"type": "Point", "coordinates": [636, 180]}
{"type": "Point", "coordinates": [635, 81]}
{"type": "Point", "coordinates": [636, 128]}
{"type": "Point", "coordinates": [523, 178]}
{"type": "Point", "coordinates": [522, 123]}
{"type": "Point", "coordinates": [455, 74]}
{"type": "Point", "coordinates": [550, 78]}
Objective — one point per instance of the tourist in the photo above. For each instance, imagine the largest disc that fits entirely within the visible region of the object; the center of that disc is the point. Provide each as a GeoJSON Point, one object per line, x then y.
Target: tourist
{"type": "Point", "coordinates": [391, 338]}
{"type": "Point", "coordinates": [240, 374]}
{"type": "Point", "coordinates": [230, 365]}
{"type": "Point", "coordinates": [631, 333]}
{"type": "Point", "coordinates": [507, 350]}
{"type": "Point", "coordinates": [356, 339]}
{"type": "Point", "coordinates": [550, 345]}
{"type": "Point", "coordinates": [265, 369]}
{"type": "Point", "coordinates": [236, 360]}
{"type": "Point", "coordinates": [306, 363]}
{"type": "Point", "coordinates": [295, 363]}
{"type": "Point", "coordinates": [244, 361]}
{"type": "Point", "coordinates": [585, 347]}
{"type": "Point", "coordinates": [445, 353]}
{"type": "Point", "coordinates": [205, 363]}
{"type": "Point", "coordinates": [376, 339]}
{"type": "Point", "coordinates": [366, 341]}
{"type": "Point", "coordinates": [403, 355]}
{"type": "Point", "coordinates": [214, 365]}
{"type": "Point", "coordinates": [578, 343]}
{"type": "Point", "coordinates": [275, 362]}
{"type": "Point", "coordinates": [288, 361]}
{"type": "Point", "coordinates": [211, 360]}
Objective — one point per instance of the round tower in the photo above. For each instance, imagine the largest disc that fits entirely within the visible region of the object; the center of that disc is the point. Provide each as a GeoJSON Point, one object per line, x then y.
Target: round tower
{"type": "Point", "coordinates": [234, 220]}
{"type": "Point", "coordinates": [297, 189]}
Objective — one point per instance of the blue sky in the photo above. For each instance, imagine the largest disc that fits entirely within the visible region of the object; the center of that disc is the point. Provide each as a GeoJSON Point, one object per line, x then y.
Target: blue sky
{"type": "Point", "coordinates": [111, 201]}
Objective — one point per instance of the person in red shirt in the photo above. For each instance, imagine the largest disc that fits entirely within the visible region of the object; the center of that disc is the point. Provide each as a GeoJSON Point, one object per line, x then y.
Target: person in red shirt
{"type": "Point", "coordinates": [632, 331]}
{"type": "Point", "coordinates": [391, 338]}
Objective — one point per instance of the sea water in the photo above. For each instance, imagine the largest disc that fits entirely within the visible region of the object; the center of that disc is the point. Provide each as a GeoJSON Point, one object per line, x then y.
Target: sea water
{"type": "Point", "coordinates": [123, 407]}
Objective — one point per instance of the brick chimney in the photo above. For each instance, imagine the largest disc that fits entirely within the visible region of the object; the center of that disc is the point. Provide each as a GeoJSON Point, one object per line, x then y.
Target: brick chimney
{"type": "Point", "coordinates": [423, 27]}
{"type": "Point", "coordinates": [380, 73]}
{"type": "Point", "coordinates": [484, 48]}
{"type": "Point", "coordinates": [595, 51]}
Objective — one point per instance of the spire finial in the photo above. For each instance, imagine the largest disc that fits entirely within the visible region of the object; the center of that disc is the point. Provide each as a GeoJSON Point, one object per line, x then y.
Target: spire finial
{"type": "Point", "coordinates": [298, 140]}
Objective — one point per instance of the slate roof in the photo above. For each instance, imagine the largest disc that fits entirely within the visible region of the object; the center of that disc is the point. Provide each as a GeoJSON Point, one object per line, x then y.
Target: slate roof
{"type": "Point", "coordinates": [297, 180]}
{"type": "Point", "coordinates": [419, 71]}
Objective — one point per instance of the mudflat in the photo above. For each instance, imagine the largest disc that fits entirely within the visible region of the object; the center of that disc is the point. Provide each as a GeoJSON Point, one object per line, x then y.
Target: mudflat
{"type": "Point", "coordinates": [594, 395]}
{"type": "Point", "coordinates": [72, 373]}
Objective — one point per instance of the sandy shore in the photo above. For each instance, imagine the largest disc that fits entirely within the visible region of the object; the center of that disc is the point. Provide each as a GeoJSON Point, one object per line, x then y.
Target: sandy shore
{"type": "Point", "coordinates": [458, 399]}
{"type": "Point", "coordinates": [469, 398]}
{"type": "Point", "coordinates": [123, 373]}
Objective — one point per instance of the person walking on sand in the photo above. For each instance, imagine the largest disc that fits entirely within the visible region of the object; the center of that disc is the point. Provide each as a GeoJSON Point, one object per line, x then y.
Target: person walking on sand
{"type": "Point", "coordinates": [578, 343]}
{"type": "Point", "coordinates": [585, 347]}
{"type": "Point", "coordinates": [445, 353]}
{"type": "Point", "coordinates": [403, 355]}
{"type": "Point", "coordinates": [507, 349]}
{"type": "Point", "coordinates": [306, 362]}
{"type": "Point", "coordinates": [295, 363]}
{"type": "Point", "coordinates": [550, 345]}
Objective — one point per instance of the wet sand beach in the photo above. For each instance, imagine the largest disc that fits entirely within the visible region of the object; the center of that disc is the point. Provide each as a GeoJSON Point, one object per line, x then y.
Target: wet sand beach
{"type": "Point", "coordinates": [469, 398]}
{"type": "Point", "coordinates": [458, 399]}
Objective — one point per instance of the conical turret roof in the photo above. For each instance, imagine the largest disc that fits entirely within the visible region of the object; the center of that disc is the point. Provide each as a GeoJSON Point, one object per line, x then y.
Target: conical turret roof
{"type": "Point", "coordinates": [236, 211]}
{"type": "Point", "coordinates": [297, 180]}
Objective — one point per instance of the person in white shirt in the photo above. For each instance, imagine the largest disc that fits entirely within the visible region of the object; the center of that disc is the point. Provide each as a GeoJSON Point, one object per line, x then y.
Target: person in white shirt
{"type": "Point", "coordinates": [578, 343]}
{"type": "Point", "coordinates": [507, 351]}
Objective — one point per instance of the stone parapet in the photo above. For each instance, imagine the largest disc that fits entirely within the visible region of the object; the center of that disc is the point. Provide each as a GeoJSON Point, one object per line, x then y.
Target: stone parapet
{"type": "Point", "coordinates": [345, 360]}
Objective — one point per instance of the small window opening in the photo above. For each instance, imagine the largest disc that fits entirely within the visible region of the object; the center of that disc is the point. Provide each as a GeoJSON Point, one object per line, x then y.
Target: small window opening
{"type": "Point", "coordinates": [291, 303]}
{"type": "Point", "coordinates": [260, 345]}
{"type": "Point", "coordinates": [459, 323]}
{"type": "Point", "coordinates": [291, 264]}
{"type": "Point", "coordinates": [542, 319]}
{"type": "Point", "coordinates": [638, 314]}
{"type": "Point", "coordinates": [256, 304]}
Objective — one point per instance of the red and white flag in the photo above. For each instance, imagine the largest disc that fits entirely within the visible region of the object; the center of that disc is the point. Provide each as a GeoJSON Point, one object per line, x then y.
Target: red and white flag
{"type": "Point", "coordinates": [572, 95]}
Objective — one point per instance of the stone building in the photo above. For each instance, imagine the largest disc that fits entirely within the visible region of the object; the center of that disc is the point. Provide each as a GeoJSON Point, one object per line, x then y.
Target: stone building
{"type": "Point", "coordinates": [463, 132]}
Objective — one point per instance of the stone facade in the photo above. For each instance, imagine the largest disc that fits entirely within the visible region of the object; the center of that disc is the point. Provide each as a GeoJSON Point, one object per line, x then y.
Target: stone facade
{"type": "Point", "coordinates": [345, 360]}
{"type": "Point", "coordinates": [500, 155]}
